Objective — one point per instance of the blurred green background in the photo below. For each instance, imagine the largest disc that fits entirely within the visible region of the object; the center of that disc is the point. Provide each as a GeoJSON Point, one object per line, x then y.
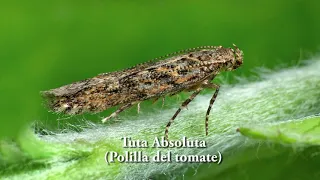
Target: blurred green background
{"type": "Point", "coordinates": [46, 44]}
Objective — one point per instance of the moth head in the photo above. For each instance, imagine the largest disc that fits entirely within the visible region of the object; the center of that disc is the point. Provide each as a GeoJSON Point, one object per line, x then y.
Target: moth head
{"type": "Point", "coordinates": [227, 58]}
{"type": "Point", "coordinates": [238, 57]}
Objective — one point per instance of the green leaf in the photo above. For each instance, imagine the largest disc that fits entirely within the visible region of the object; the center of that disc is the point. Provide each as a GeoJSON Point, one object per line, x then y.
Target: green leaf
{"type": "Point", "coordinates": [304, 131]}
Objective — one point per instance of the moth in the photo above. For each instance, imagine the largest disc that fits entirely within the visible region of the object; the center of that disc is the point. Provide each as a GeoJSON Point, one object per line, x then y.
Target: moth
{"type": "Point", "coordinates": [187, 70]}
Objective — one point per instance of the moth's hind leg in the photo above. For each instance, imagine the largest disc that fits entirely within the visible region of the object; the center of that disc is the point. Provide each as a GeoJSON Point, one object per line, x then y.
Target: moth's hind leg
{"type": "Point", "coordinates": [121, 108]}
{"type": "Point", "coordinates": [184, 104]}
{"type": "Point", "coordinates": [212, 100]}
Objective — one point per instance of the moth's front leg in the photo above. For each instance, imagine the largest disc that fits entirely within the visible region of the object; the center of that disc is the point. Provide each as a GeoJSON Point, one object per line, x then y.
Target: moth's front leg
{"type": "Point", "coordinates": [210, 85]}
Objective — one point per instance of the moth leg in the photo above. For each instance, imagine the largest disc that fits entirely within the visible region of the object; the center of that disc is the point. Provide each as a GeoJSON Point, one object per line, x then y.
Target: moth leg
{"type": "Point", "coordinates": [183, 105]}
{"type": "Point", "coordinates": [138, 108]}
{"type": "Point", "coordinates": [163, 98]}
{"type": "Point", "coordinates": [114, 114]}
{"type": "Point", "coordinates": [213, 98]}
{"type": "Point", "coordinates": [157, 98]}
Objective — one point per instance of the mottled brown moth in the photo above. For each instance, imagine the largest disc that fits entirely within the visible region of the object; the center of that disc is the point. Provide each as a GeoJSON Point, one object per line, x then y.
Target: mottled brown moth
{"type": "Point", "coordinates": [188, 70]}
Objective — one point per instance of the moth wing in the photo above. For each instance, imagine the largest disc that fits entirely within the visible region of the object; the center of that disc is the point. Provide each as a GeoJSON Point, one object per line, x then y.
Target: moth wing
{"type": "Point", "coordinates": [71, 89]}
